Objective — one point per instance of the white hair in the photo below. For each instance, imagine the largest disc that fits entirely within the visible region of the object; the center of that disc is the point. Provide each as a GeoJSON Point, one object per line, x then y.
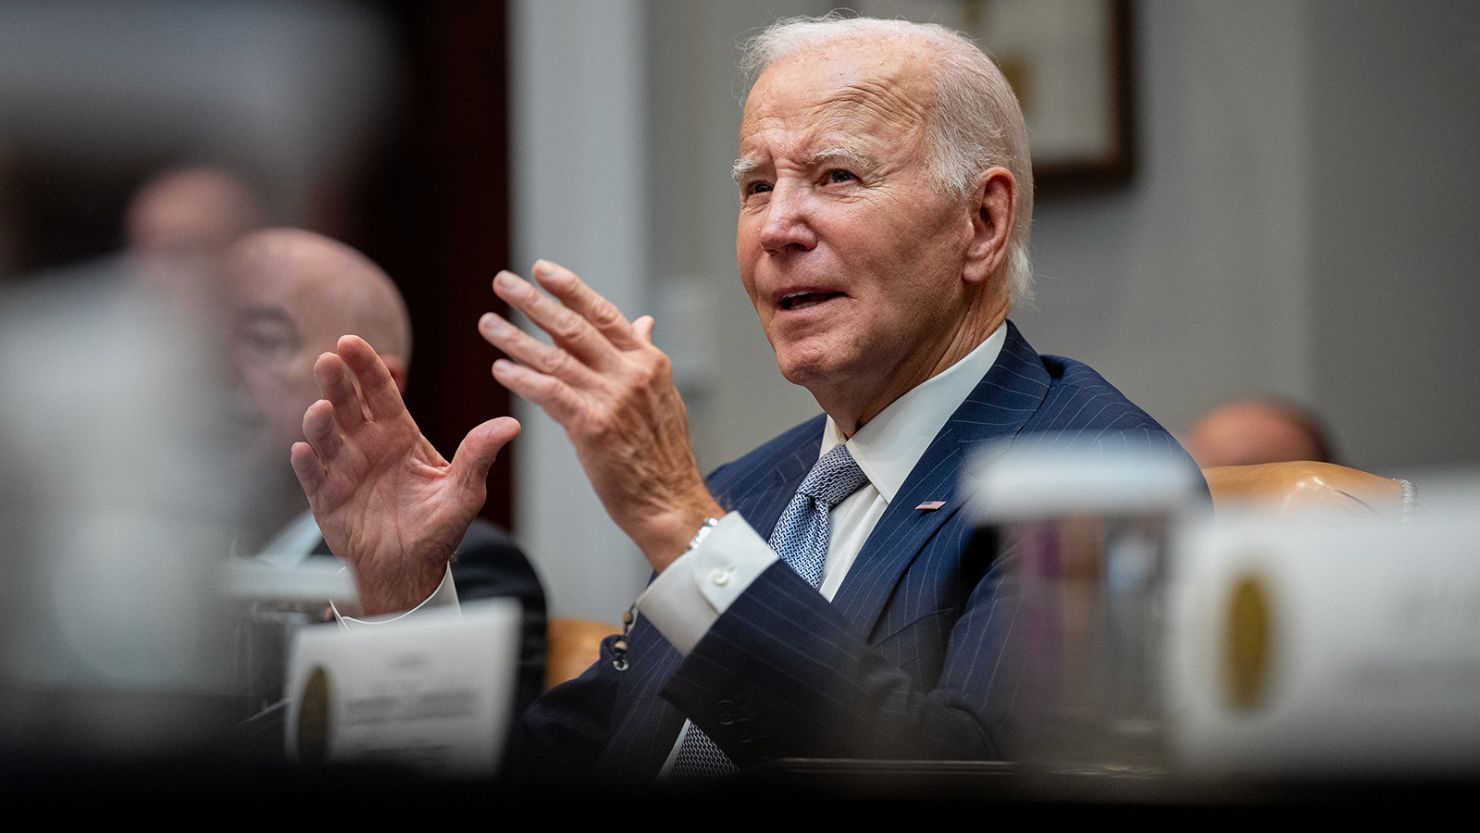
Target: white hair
{"type": "Point", "coordinates": [976, 123]}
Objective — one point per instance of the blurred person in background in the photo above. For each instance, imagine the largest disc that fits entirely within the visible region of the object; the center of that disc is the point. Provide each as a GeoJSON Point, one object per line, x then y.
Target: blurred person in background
{"type": "Point", "coordinates": [178, 225]}
{"type": "Point", "coordinates": [186, 211]}
{"type": "Point", "coordinates": [1248, 432]}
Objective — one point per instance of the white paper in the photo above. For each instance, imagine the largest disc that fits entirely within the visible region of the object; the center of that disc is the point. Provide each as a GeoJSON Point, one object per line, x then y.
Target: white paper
{"type": "Point", "coordinates": [434, 691]}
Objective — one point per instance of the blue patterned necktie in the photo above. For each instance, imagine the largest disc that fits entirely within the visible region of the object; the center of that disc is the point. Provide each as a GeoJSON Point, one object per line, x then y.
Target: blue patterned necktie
{"type": "Point", "coordinates": [800, 539]}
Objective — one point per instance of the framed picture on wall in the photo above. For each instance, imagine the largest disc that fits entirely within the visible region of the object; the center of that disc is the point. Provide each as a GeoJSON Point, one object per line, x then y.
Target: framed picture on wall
{"type": "Point", "coordinates": [1069, 62]}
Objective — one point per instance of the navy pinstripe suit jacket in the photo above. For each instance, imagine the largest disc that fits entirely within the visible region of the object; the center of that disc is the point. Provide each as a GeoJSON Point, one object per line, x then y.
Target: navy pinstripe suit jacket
{"type": "Point", "coordinates": [912, 659]}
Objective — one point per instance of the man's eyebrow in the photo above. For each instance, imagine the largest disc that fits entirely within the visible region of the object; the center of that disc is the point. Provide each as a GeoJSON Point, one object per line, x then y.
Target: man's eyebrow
{"type": "Point", "coordinates": [835, 153]}
{"type": "Point", "coordinates": [743, 168]}
{"type": "Point", "coordinates": [840, 153]}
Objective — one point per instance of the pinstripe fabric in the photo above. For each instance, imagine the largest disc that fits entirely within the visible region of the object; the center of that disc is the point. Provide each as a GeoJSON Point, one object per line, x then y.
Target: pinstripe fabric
{"type": "Point", "coordinates": [914, 657]}
{"type": "Point", "coordinates": [800, 540]}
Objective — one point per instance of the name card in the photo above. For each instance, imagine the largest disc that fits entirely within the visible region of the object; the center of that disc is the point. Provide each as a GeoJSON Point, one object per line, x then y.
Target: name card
{"type": "Point", "coordinates": [433, 690]}
{"type": "Point", "coordinates": [1327, 646]}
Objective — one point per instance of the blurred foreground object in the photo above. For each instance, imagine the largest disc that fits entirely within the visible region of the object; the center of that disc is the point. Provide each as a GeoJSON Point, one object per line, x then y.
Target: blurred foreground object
{"type": "Point", "coordinates": [1328, 645]}
{"type": "Point", "coordinates": [266, 108]}
{"type": "Point", "coordinates": [118, 497]}
{"type": "Point", "coordinates": [1322, 625]}
{"type": "Point", "coordinates": [1086, 534]}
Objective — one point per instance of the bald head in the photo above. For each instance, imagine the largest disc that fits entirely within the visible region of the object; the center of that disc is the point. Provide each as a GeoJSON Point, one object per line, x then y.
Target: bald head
{"type": "Point", "coordinates": [1252, 432]}
{"type": "Point", "coordinates": [293, 293]}
{"type": "Point", "coordinates": [331, 288]}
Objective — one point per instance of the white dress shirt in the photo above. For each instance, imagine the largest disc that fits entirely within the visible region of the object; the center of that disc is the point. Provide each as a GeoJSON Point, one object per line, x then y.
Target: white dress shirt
{"type": "Point", "coordinates": [686, 599]}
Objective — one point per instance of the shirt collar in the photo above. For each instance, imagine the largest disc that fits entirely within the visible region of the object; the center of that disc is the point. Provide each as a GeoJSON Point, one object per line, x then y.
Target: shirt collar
{"type": "Point", "coordinates": [888, 446]}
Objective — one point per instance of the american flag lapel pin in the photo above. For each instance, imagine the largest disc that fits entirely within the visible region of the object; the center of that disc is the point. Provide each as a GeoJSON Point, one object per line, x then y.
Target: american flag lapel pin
{"type": "Point", "coordinates": [931, 505]}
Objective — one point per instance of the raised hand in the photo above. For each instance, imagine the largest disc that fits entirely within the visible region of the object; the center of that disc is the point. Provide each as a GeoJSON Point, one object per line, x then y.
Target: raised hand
{"type": "Point", "coordinates": [612, 390]}
{"type": "Point", "coordinates": [386, 501]}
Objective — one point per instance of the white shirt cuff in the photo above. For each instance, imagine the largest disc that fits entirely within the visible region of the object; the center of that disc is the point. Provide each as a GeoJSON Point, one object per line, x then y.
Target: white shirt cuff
{"type": "Point", "coordinates": [686, 599]}
{"type": "Point", "coordinates": [444, 596]}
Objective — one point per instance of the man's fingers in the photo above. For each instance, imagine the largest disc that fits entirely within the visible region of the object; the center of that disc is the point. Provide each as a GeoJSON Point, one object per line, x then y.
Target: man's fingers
{"type": "Point", "coordinates": [642, 328]}
{"type": "Point", "coordinates": [565, 326]}
{"type": "Point", "coordinates": [377, 388]}
{"type": "Point", "coordinates": [552, 395]}
{"type": "Point", "coordinates": [575, 294]}
{"type": "Point", "coordinates": [480, 448]}
{"type": "Point", "coordinates": [524, 348]}
{"type": "Point", "coordinates": [321, 431]}
{"type": "Point", "coordinates": [336, 383]}
{"type": "Point", "coordinates": [307, 466]}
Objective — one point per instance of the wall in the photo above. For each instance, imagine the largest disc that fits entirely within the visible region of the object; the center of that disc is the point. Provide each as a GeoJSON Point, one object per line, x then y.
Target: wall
{"type": "Point", "coordinates": [579, 197]}
{"type": "Point", "coordinates": [1190, 283]}
{"type": "Point", "coordinates": [1394, 151]}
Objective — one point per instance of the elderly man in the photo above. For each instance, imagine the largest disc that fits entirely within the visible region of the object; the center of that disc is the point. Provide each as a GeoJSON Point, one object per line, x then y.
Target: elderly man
{"type": "Point", "coordinates": [815, 597]}
{"type": "Point", "coordinates": [292, 293]}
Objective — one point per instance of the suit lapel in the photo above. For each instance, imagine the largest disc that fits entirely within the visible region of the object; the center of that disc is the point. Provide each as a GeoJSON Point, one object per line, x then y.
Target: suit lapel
{"type": "Point", "coordinates": [997, 408]}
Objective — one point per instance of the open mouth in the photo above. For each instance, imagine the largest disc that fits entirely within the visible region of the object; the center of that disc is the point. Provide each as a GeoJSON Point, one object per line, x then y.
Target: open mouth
{"type": "Point", "coordinates": [802, 300]}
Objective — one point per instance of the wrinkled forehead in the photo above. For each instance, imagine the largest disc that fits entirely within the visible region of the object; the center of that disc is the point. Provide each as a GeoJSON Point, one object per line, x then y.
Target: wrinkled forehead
{"type": "Point", "coordinates": [864, 88]}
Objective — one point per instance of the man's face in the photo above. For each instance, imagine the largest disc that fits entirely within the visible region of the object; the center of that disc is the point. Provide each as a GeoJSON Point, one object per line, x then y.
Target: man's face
{"type": "Point", "coordinates": [284, 316]}
{"type": "Point", "coordinates": [849, 249]}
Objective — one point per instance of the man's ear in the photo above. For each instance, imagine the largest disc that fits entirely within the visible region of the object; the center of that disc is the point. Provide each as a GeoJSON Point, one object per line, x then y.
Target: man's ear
{"type": "Point", "coordinates": [995, 207]}
{"type": "Point", "coordinates": [398, 371]}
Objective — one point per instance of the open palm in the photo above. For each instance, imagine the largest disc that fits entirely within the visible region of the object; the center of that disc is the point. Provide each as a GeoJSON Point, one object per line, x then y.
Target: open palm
{"type": "Point", "coordinates": [386, 501]}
